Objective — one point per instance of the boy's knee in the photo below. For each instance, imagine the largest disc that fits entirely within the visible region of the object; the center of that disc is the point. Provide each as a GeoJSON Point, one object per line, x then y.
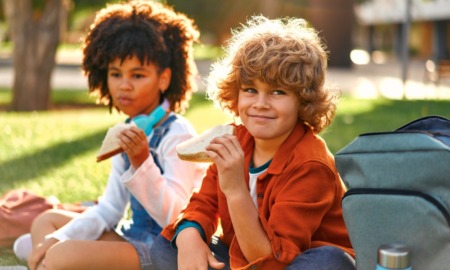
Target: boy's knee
{"type": "Point", "coordinates": [334, 255]}
{"type": "Point", "coordinates": [325, 257]}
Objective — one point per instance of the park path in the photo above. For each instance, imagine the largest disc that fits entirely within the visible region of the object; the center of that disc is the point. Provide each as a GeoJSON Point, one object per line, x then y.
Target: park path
{"type": "Point", "coordinates": [365, 81]}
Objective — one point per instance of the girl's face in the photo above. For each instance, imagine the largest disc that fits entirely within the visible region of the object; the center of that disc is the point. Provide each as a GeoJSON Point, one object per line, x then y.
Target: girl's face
{"type": "Point", "coordinates": [135, 88]}
{"type": "Point", "coordinates": [268, 112]}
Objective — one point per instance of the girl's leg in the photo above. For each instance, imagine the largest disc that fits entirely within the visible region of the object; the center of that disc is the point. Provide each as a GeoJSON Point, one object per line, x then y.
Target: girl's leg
{"type": "Point", "coordinates": [95, 255]}
{"type": "Point", "coordinates": [48, 222]}
{"type": "Point", "coordinates": [164, 256]}
{"type": "Point", "coordinates": [52, 220]}
{"type": "Point", "coordinates": [108, 250]}
{"type": "Point", "coordinates": [324, 258]}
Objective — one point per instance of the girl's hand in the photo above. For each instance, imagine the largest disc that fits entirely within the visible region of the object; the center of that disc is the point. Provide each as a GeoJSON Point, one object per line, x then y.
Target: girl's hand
{"type": "Point", "coordinates": [134, 142]}
{"type": "Point", "coordinates": [227, 154]}
{"type": "Point", "coordinates": [194, 253]}
{"type": "Point", "coordinates": [38, 253]}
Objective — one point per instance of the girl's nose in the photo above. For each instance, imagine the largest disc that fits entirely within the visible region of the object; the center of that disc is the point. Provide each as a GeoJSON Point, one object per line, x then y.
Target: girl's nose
{"type": "Point", "coordinates": [125, 84]}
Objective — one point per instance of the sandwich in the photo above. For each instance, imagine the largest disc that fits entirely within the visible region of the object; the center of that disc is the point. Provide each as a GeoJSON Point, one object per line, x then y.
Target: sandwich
{"type": "Point", "coordinates": [110, 145]}
{"type": "Point", "coordinates": [195, 149]}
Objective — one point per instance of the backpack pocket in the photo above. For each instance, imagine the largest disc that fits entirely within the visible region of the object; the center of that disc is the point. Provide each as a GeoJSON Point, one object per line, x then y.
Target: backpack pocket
{"type": "Point", "coordinates": [376, 216]}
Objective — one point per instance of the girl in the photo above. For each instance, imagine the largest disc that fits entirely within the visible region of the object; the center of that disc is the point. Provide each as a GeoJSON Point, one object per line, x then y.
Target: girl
{"type": "Point", "coordinates": [273, 186]}
{"type": "Point", "coordinates": [138, 60]}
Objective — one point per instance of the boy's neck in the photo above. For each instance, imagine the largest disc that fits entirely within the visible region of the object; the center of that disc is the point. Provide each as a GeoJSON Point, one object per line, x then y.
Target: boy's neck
{"type": "Point", "coordinates": [263, 152]}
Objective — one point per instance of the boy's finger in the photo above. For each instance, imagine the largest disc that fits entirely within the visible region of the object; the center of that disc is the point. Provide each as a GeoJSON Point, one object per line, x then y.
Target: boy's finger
{"type": "Point", "coordinates": [214, 263]}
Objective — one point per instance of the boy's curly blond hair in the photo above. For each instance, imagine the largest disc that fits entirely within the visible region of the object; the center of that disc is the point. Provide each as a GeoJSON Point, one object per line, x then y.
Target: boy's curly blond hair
{"type": "Point", "coordinates": [281, 52]}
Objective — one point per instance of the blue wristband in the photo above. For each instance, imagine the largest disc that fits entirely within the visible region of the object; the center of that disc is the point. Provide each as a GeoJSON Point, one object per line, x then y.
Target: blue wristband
{"type": "Point", "coordinates": [187, 224]}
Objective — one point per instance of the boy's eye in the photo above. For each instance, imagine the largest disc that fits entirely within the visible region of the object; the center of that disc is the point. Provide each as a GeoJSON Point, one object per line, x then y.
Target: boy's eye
{"type": "Point", "coordinates": [138, 76]}
{"type": "Point", "coordinates": [249, 90]}
{"type": "Point", "coordinates": [279, 92]}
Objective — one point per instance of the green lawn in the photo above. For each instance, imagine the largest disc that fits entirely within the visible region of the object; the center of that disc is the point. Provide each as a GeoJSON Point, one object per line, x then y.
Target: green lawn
{"type": "Point", "coordinates": [53, 153]}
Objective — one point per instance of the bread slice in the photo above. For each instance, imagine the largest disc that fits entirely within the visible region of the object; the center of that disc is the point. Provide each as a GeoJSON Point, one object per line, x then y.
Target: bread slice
{"type": "Point", "coordinates": [110, 145]}
{"type": "Point", "coordinates": [194, 149]}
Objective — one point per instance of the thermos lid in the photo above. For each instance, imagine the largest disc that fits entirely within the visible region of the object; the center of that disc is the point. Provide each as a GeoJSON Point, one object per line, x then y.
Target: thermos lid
{"type": "Point", "coordinates": [393, 256]}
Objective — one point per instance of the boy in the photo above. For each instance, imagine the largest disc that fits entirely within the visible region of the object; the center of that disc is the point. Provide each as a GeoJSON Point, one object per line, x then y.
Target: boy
{"type": "Point", "coordinates": [273, 186]}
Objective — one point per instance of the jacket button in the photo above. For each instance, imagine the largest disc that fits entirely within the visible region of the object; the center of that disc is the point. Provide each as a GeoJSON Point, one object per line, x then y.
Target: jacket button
{"type": "Point", "coordinates": [260, 195]}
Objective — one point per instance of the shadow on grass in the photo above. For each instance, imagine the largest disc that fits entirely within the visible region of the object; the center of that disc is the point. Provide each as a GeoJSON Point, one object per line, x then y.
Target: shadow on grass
{"type": "Point", "coordinates": [39, 163]}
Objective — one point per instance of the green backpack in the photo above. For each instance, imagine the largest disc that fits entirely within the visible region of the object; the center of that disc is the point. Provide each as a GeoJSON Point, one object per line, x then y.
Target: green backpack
{"type": "Point", "coordinates": [399, 192]}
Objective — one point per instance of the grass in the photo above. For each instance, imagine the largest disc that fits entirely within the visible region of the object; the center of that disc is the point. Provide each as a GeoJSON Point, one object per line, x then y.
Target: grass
{"type": "Point", "coordinates": [356, 116]}
{"type": "Point", "coordinates": [53, 152]}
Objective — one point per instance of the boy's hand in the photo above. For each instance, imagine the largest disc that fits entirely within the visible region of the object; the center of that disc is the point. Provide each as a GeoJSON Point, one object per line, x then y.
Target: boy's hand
{"type": "Point", "coordinates": [193, 253]}
{"type": "Point", "coordinates": [227, 154]}
{"type": "Point", "coordinates": [134, 142]}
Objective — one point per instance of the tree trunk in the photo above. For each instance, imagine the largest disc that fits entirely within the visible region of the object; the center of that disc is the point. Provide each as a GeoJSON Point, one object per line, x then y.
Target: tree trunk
{"type": "Point", "coordinates": [35, 34]}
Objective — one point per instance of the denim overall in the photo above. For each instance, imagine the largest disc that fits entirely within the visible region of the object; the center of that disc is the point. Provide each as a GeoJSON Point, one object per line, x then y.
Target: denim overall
{"type": "Point", "coordinates": [143, 228]}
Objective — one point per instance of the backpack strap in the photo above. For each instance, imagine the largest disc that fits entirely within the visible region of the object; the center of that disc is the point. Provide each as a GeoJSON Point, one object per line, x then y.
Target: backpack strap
{"type": "Point", "coordinates": [436, 126]}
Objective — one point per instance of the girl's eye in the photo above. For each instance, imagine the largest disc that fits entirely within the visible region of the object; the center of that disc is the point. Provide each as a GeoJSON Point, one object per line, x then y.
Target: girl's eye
{"type": "Point", "coordinates": [114, 74]}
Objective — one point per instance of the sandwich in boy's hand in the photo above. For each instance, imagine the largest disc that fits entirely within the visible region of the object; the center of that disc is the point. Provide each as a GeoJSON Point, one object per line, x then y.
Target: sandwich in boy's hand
{"type": "Point", "coordinates": [194, 149]}
{"type": "Point", "coordinates": [110, 145]}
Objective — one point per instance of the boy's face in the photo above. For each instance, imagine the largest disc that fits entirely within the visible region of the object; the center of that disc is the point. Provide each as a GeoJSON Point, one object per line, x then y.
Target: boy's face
{"type": "Point", "coordinates": [135, 88]}
{"type": "Point", "coordinates": [269, 112]}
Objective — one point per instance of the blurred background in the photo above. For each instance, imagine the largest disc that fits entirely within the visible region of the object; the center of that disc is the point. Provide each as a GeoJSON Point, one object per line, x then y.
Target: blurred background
{"type": "Point", "coordinates": [390, 48]}
{"type": "Point", "coordinates": [389, 59]}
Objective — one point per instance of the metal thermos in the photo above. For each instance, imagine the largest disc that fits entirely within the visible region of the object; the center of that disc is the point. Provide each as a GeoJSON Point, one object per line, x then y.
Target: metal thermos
{"type": "Point", "coordinates": [393, 257]}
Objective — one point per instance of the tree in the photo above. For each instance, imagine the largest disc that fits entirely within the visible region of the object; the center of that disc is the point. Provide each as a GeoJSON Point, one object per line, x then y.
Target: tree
{"type": "Point", "coordinates": [35, 32]}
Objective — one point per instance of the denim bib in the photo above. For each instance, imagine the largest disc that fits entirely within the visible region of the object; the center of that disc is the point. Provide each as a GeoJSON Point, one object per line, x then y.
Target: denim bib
{"type": "Point", "coordinates": [142, 223]}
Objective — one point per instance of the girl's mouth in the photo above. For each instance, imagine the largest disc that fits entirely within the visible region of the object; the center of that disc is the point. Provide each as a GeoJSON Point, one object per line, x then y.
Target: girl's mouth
{"type": "Point", "coordinates": [124, 101]}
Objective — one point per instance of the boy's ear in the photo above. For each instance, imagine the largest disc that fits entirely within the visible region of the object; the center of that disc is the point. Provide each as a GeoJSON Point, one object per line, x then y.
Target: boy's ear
{"type": "Point", "coordinates": [164, 79]}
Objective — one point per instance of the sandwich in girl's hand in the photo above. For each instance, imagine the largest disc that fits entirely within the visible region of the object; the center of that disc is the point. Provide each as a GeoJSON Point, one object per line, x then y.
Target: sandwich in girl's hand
{"type": "Point", "coordinates": [194, 149]}
{"type": "Point", "coordinates": [110, 145]}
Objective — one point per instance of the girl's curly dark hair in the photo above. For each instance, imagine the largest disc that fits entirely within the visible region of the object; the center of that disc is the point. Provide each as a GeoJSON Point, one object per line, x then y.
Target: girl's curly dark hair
{"type": "Point", "coordinates": [151, 31]}
{"type": "Point", "coordinates": [283, 52]}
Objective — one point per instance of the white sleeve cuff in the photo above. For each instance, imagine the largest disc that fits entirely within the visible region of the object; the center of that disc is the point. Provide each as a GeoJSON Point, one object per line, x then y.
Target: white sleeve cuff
{"type": "Point", "coordinates": [58, 236]}
{"type": "Point", "coordinates": [129, 174]}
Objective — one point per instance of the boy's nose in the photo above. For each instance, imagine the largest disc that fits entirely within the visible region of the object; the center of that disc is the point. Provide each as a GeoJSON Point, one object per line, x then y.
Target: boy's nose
{"type": "Point", "coordinates": [262, 101]}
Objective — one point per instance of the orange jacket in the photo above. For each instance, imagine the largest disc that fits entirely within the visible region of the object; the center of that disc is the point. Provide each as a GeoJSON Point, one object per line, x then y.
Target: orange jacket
{"type": "Point", "coordinates": [299, 202]}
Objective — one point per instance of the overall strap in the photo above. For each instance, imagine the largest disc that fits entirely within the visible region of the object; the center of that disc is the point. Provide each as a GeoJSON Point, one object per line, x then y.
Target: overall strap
{"type": "Point", "coordinates": [158, 134]}
{"type": "Point", "coordinates": [142, 222]}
